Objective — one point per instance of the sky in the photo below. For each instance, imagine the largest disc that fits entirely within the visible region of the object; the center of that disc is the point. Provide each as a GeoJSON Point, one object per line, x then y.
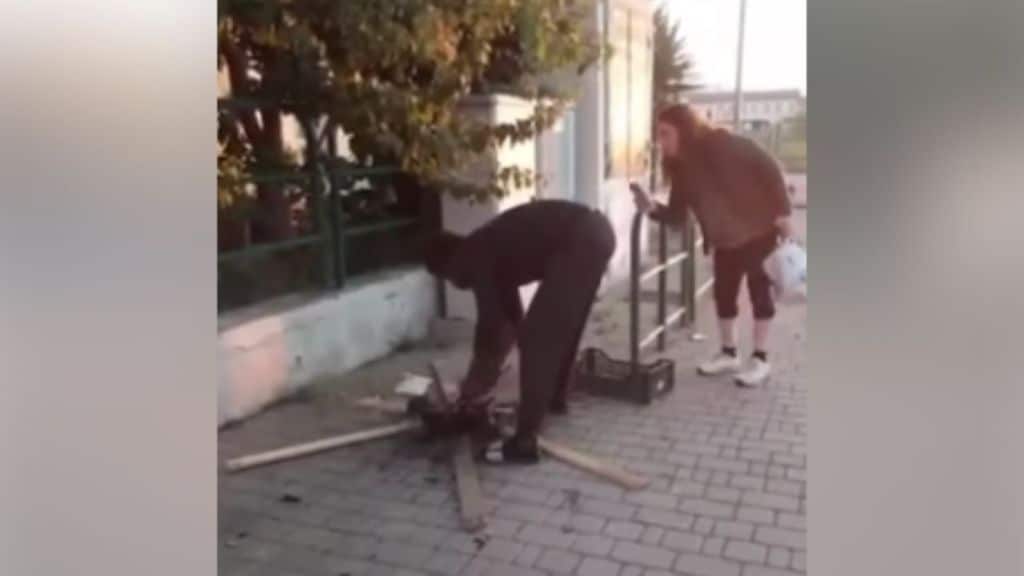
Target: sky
{"type": "Point", "coordinates": [775, 51]}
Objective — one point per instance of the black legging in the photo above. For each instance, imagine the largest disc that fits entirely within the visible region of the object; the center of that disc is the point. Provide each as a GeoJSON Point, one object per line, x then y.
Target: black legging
{"type": "Point", "coordinates": [550, 333]}
{"type": "Point", "coordinates": [731, 265]}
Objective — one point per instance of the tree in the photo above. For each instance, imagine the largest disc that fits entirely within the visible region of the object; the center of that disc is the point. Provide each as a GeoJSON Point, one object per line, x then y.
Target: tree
{"type": "Point", "coordinates": [391, 75]}
{"type": "Point", "coordinates": [673, 67]}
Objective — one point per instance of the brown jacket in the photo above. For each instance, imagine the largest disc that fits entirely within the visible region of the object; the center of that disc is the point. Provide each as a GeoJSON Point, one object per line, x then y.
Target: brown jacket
{"type": "Point", "coordinates": [733, 187]}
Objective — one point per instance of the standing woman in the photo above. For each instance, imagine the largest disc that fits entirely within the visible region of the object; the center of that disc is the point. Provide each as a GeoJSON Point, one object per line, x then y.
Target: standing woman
{"type": "Point", "coordinates": [738, 196]}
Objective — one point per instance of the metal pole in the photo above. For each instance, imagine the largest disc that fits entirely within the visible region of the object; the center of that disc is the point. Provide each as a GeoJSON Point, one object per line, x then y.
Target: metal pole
{"type": "Point", "coordinates": [738, 102]}
{"type": "Point", "coordinates": [686, 281]}
{"type": "Point", "coordinates": [336, 268]}
{"type": "Point", "coordinates": [662, 283]}
{"type": "Point", "coordinates": [634, 294]}
{"type": "Point", "coordinates": [684, 269]}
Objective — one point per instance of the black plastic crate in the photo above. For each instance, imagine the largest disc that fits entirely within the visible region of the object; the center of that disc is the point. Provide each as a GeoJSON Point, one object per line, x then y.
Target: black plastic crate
{"type": "Point", "coordinates": [601, 375]}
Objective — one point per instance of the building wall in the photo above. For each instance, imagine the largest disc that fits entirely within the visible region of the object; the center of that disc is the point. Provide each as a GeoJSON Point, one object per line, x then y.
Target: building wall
{"type": "Point", "coordinates": [555, 156]}
{"type": "Point", "coordinates": [273, 349]}
{"type": "Point", "coordinates": [623, 147]}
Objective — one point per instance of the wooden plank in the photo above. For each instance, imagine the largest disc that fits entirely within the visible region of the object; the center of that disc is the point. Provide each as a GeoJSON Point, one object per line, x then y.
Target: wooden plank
{"type": "Point", "coordinates": [413, 385]}
{"type": "Point", "coordinates": [385, 405]}
{"type": "Point", "coordinates": [471, 499]}
{"type": "Point", "coordinates": [305, 449]}
{"type": "Point", "coordinates": [588, 463]}
{"type": "Point", "coordinates": [438, 386]}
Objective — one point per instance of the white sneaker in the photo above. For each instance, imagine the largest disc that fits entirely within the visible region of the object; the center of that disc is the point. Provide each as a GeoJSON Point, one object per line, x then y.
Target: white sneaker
{"type": "Point", "coordinates": [755, 374]}
{"type": "Point", "coordinates": [722, 363]}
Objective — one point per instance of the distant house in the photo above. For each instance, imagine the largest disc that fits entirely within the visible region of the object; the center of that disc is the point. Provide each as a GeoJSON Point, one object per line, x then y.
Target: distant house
{"type": "Point", "coordinates": [768, 107]}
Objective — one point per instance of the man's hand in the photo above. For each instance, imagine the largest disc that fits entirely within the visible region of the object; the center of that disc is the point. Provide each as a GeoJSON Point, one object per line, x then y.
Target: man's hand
{"type": "Point", "coordinates": [472, 392]}
{"type": "Point", "coordinates": [643, 201]}
{"type": "Point", "coordinates": [478, 386]}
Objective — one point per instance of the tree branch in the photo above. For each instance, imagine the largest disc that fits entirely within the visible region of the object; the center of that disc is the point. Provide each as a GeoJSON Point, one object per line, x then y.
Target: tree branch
{"type": "Point", "coordinates": [238, 67]}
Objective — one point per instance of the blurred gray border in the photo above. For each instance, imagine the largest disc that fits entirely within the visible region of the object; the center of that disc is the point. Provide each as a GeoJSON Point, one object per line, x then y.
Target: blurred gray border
{"type": "Point", "coordinates": [916, 153]}
{"type": "Point", "coordinates": [107, 288]}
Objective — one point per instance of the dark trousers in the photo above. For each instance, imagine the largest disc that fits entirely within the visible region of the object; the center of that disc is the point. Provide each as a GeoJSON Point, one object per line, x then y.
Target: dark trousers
{"type": "Point", "coordinates": [549, 335]}
{"type": "Point", "coordinates": [732, 265]}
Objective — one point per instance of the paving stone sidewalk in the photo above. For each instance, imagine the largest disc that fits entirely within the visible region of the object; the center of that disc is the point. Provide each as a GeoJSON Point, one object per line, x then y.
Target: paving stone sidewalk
{"type": "Point", "coordinates": [727, 497]}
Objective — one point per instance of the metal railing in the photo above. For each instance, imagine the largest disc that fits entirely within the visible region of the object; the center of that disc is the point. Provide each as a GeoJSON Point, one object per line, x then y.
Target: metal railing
{"type": "Point", "coordinates": [333, 230]}
{"type": "Point", "coordinates": [686, 313]}
{"type": "Point", "coordinates": [323, 179]}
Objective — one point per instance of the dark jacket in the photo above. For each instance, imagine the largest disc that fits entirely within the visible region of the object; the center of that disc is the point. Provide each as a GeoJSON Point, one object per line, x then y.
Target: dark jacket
{"type": "Point", "coordinates": [734, 189]}
{"type": "Point", "coordinates": [510, 251]}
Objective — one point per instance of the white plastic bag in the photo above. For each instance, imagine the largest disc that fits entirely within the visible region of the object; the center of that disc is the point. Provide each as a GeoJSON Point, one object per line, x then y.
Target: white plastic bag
{"type": "Point", "coordinates": [787, 269]}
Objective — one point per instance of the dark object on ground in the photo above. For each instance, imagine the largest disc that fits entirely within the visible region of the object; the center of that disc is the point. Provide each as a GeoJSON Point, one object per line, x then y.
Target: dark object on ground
{"type": "Point", "coordinates": [601, 375]}
{"type": "Point", "coordinates": [445, 422]}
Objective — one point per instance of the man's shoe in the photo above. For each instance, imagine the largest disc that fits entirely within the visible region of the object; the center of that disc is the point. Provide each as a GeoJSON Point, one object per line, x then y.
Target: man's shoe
{"type": "Point", "coordinates": [514, 450]}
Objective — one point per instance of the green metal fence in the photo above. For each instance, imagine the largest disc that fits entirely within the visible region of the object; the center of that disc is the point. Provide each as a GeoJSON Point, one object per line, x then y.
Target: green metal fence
{"type": "Point", "coordinates": [336, 237]}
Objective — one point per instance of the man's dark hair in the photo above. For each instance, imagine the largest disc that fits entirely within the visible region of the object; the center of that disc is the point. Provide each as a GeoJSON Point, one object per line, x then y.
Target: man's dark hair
{"type": "Point", "coordinates": [438, 252]}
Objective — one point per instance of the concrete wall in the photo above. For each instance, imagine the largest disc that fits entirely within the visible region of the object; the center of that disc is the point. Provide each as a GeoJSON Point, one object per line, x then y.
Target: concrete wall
{"type": "Point", "coordinates": [555, 160]}
{"type": "Point", "coordinates": [272, 350]}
